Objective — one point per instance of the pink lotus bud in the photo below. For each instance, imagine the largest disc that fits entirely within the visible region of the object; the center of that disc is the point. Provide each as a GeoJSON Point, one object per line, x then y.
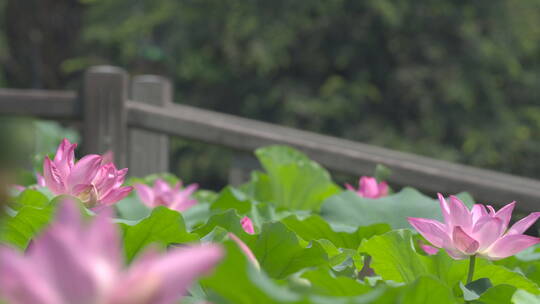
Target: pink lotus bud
{"type": "Point", "coordinates": [162, 194]}
{"type": "Point", "coordinates": [245, 249]}
{"type": "Point", "coordinates": [369, 188]}
{"type": "Point", "coordinates": [78, 262]}
{"type": "Point", "coordinates": [247, 224]}
{"type": "Point", "coordinates": [476, 232]}
{"type": "Point", "coordinates": [94, 183]}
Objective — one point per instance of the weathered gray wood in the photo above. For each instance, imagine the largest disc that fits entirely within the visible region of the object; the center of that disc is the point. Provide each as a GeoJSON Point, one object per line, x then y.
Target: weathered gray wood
{"type": "Point", "coordinates": [40, 103]}
{"type": "Point", "coordinates": [105, 95]}
{"type": "Point", "coordinates": [105, 129]}
{"type": "Point", "coordinates": [338, 154]}
{"type": "Point", "coordinates": [148, 152]}
{"type": "Point", "coordinates": [241, 166]}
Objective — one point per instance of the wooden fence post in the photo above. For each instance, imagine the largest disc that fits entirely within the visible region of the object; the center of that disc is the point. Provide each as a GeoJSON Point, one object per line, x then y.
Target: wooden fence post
{"type": "Point", "coordinates": [148, 152]}
{"type": "Point", "coordinates": [241, 166]}
{"type": "Point", "coordinates": [104, 110]}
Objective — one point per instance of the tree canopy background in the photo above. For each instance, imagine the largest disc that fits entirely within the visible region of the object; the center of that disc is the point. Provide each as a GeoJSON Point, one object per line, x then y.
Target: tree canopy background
{"type": "Point", "coordinates": [455, 80]}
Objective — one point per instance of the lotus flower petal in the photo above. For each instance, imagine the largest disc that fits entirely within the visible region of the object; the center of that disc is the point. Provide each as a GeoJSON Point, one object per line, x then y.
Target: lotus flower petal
{"type": "Point", "coordinates": [524, 224]}
{"type": "Point", "coordinates": [511, 244]}
{"type": "Point", "coordinates": [478, 211]}
{"type": "Point", "coordinates": [488, 230]}
{"type": "Point", "coordinates": [19, 283]}
{"type": "Point", "coordinates": [180, 267]}
{"type": "Point", "coordinates": [432, 230]}
{"type": "Point", "coordinates": [68, 215]}
{"type": "Point", "coordinates": [190, 189]}
{"type": "Point", "coordinates": [445, 210]}
{"type": "Point", "coordinates": [65, 157]}
{"type": "Point", "coordinates": [161, 186]}
{"type": "Point", "coordinates": [183, 205]}
{"type": "Point", "coordinates": [105, 179]}
{"type": "Point", "coordinates": [120, 176]}
{"type": "Point", "coordinates": [383, 189]}
{"type": "Point", "coordinates": [40, 180]}
{"type": "Point", "coordinates": [456, 254]}
{"type": "Point", "coordinates": [491, 210]}
{"type": "Point", "coordinates": [62, 262]}
{"type": "Point", "coordinates": [116, 195]}
{"type": "Point", "coordinates": [368, 187]}
{"type": "Point", "coordinates": [505, 214]}
{"type": "Point", "coordinates": [459, 213]}
{"type": "Point", "coordinates": [464, 242]}
{"type": "Point", "coordinates": [103, 237]}
{"type": "Point", "coordinates": [429, 250]}
{"type": "Point", "coordinates": [146, 194]}
{"type": "Point", "coordinates": [162, 194]}
{"type": "Point", "coordinates": [247, 224]}
{"type": "Point", "coordinates": [52, 176]}
{"type": "Point", "coordinates": [85, 170]}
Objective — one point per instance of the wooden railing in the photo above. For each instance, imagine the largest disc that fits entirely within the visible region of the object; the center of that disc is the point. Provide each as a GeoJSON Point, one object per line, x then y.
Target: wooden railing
{"type": "Point", "coordinates": [134, 120]}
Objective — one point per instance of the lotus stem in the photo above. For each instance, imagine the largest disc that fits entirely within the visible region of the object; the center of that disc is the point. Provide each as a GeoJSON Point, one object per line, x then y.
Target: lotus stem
{"type": "Point", "coordinates": [472, 262]}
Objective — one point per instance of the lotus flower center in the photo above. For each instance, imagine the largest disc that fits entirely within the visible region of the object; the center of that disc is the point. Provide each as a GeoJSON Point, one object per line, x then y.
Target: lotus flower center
{"type": "Point", "coordinates": [90, 195]}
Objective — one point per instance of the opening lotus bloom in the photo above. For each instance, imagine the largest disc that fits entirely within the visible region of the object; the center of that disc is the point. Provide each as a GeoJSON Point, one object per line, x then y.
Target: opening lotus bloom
{"type": "Point", "coordinates": [72, 262]}
{"type": "Point", "coordinates": [247, 224]}
{"type": "Point", "coordinates": [369, 187]}
{"type": "Point", "coordinates": [162, 194]}
{"type": "Point", "coordinates": [93, 181]}
{"type": "Point", "coordinates": [480, 231]}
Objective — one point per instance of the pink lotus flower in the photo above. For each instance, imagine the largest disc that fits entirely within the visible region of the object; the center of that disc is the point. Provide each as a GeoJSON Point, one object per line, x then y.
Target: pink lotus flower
{"type": "Point", "coordinates": [247, 224]}
{"type": "Point", "coordinates": [163, 195]}
{"type": "Point", "coordinates": [478, 231]}
{"type": "Point", "coordinates": [369, 188]}
{"type": "Point", "coordinates": [95, 183]}
{"type": "Point", "coordinates": [76, 263]}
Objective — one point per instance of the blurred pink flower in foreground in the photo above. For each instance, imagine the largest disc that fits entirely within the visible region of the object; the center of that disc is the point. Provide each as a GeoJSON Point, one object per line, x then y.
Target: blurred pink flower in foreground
{"type": "Point", "coordinates": [162, 194]}
{"type": "Point", "coordinates": [476, 232]}
{"type": "Point", "coordinates": [94, 182]}
{"type": "Point", "coordinates": [247, 224]}
{"type": "Point", "coordinates": [75, 262]}
{"type": "Point", "coordinates": [369, 188]}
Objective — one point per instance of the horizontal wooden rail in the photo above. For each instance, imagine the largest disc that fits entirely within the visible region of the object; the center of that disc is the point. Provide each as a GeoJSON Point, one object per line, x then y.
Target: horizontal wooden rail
{"type": "Point", "coordinates": [336, 154]}
{"type": "Point", "coordinates": [242, 134]}
{"type": "Point", "coordinates": [40, 103]}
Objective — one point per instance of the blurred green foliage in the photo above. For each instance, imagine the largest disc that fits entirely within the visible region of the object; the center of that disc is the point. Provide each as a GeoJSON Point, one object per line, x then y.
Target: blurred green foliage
{"type": "Point", "coordinates": [457, 80]}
